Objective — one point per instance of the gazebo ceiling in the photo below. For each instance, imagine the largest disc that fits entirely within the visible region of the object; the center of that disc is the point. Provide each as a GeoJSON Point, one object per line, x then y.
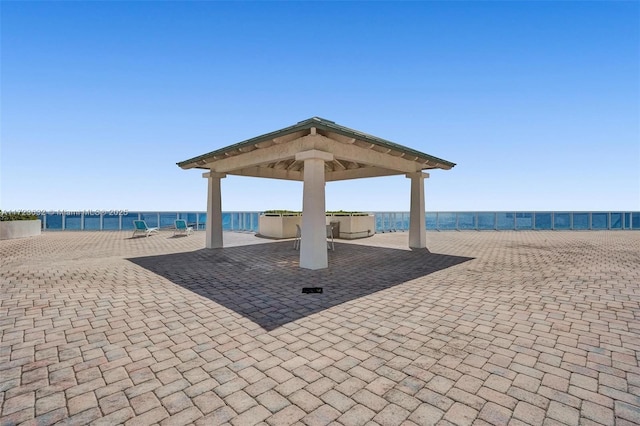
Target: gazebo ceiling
{"type": "Point", "coordinates": [355, 154]}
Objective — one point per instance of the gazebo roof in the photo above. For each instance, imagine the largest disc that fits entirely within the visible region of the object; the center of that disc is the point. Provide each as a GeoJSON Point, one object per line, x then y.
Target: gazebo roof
{"type": "Point", "coordinates": [355, 154]}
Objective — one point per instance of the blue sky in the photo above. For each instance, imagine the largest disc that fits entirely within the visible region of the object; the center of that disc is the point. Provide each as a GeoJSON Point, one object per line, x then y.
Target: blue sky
{"type": "Point", "coordinates": [538, 103]}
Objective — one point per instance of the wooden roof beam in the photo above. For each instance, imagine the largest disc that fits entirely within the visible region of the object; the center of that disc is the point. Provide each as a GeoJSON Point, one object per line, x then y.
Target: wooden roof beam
{"type": "Point", "coordinates": [339, 164]}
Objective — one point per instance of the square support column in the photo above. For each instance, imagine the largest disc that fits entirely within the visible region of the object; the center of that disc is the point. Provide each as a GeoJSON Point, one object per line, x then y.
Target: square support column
{"type": "Point", "coordinates": [417, 226]}
{"type": "Point", "coordinates": [213, 224]}
{"type": "Point", "coordinates": [313, 244]}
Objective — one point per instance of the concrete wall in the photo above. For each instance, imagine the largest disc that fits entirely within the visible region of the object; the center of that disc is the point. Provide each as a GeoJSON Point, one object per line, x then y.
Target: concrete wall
{"type": "Point", "coordinates": [20, 229]}
{"type": "Point", "coordinates": [352, 227]}
{"type": "Point", "coordinates": [278, 226]}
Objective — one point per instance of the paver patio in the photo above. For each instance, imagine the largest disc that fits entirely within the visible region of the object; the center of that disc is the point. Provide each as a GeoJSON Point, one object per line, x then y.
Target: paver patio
{"type": "Point", "coordinates": [529, 327]}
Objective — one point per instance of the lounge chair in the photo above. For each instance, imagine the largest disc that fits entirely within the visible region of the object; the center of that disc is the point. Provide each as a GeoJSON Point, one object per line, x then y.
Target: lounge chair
{"type": "Point", "coordinates": [140, 226]}
{"type": "Point", "coordinates": [182, 228]}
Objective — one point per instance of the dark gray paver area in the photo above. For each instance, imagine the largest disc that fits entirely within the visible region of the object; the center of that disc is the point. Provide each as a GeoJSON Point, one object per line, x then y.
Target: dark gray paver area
{"type": "Point", "coordinates": [483, 328]}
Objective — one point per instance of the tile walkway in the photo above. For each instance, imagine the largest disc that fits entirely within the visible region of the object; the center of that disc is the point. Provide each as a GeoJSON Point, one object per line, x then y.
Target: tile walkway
{"type": "Point", "coordinates": [485, 328]}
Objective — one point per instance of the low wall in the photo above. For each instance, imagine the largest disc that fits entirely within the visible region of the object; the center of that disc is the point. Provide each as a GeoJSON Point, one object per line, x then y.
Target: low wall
{"type": "Point", "coordinates": [353, 227]}
{"type": "Point", "coordinates": [20, 229]}
{"type": "Point", "coordinates": [279, 226]}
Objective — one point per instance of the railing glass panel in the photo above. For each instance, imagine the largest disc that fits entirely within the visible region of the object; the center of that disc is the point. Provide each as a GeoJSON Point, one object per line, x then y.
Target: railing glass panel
{"type": "Point", "coordinates": [402, 221]}
{"type": "Point", "coordinates": [466, 221]}
{"type": "Point", "coordinates": [599, 220]}
{"type": "Point", "coordinates": [379, 222]}
{"type": "Point", "coordinates": [73, 222]}
{"type": "Point", "coordinates": [580, 221]}
{"type": "Point", "coordinates": [543, 221]}
{"type": "Point", "coordinates": [616, 221]}
{"type": "Point", "coordinates": [92, 222]}
{"type": "Point", "coordinates": [226, 220]}
{"type": "Point", "coordinates": [446, 221]}
{"type": "Point", "coordinates": [111, 222]}
{"type": "Point", "coordinates": [524, 221]}
{"type": "Point", "coordinates": [635, 220]}
{"type": "Point", "coordinates": [167, 220]}
{"type": "Point", "coordinates": [202, 221]}
{"type": "Point", "coordinates": [562, 221]}
{"type": "Point", "coordinates": [505, 220]}
{"type": "Point", "coordinates": [430, 219]}
{"type": "Point", "coordinates": [486, 221]}
{"type": "Point", "coordinates": [54, 221]}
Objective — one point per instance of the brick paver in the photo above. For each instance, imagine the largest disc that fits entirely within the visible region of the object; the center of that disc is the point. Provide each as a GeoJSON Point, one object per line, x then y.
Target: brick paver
{"type": "Point", "coordinates": [483, 328]}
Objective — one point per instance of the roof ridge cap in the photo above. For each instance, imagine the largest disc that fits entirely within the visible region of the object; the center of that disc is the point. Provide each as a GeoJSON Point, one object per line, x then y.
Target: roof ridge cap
{"type": "Point", "coordinates": [315, 118]}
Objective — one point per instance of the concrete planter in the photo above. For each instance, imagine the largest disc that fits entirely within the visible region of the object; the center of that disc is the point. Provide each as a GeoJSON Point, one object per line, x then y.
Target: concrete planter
{"type": "Point", "coordinates": [278, 226]}
{"type": "Point", "coordinates": [353, 227]}
{"type": "Point", "coordinates": [20, 229]}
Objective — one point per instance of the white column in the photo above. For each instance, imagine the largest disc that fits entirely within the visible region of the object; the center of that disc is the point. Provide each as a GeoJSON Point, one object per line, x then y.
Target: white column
{"type": "Point", "coordinates": [313, 245]}
{"type": "Point", "coordinates": [417, 227]}
{"type": "Point", "coordinates": [214, 210]}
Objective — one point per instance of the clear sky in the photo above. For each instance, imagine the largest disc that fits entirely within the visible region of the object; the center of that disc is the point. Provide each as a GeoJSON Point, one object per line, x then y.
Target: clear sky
{"type": "Point", "coordinates": [538, 103]}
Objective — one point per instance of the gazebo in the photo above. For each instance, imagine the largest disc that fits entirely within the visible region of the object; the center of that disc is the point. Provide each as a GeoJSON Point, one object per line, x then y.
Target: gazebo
{"type": "Point", "coordinates": [315, 151]}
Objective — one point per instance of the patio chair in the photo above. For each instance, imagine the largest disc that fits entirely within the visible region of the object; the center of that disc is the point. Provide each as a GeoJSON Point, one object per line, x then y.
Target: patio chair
{"type": "Point", "coordinates": [296, 242]}
{"type": "Point", "coordinates": [182, 228]}
{"type": "Point", "coordinates": [140, 226]}
{"type": "Point", "coordinates": [330, 237]}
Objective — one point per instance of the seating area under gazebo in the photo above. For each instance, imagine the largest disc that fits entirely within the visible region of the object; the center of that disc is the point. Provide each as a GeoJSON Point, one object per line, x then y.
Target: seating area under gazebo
{"type": "Point", "coordinates": [316, 151]}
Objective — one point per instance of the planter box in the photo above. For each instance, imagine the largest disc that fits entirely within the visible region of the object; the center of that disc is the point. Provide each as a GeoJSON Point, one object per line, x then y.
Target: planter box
{"type": "Point", "coordinates": [278, 226]}
{"type": "Point", "coordinates": [20, 229]}
{"type": "Point", "coordinates": [353, 227]}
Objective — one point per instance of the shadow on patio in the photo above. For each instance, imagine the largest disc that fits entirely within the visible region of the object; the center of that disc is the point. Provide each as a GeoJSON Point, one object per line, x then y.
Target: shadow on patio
{"type": "Point", "coordinates": [263, 282]}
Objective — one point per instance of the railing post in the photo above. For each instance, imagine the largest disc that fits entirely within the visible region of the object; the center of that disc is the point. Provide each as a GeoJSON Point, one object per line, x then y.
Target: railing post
{"type": "Point", "coordinates": [571, 220]}
{"type": "Point", "coordinates": [533, 221]}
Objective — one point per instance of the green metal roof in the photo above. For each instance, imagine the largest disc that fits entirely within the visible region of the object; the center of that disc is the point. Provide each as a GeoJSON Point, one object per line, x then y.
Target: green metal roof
{"type": "Point", "coordinates": [321, 124]}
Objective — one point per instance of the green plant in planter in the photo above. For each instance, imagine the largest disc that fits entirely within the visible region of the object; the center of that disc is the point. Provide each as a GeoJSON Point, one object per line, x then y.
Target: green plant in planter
{"type": "Point", "coordinates": [281, 213]}
{"type": "Point", "coordinates": [7, 216]}
{"type": "Point", "coordinates": [344, 213]}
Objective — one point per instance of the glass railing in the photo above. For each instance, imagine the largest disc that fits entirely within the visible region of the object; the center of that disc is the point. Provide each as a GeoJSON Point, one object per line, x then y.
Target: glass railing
{"type": "Point", "coordinates": [81, 221]}
{"type": "Point", "coordinates": [497, 221]}
{"type": "Point", "coordinates": [385, 221]}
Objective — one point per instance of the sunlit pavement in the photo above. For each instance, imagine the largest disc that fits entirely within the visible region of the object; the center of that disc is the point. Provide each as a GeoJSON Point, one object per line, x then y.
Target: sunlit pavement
{"type": "Point", "coordinates": [529, 327]}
